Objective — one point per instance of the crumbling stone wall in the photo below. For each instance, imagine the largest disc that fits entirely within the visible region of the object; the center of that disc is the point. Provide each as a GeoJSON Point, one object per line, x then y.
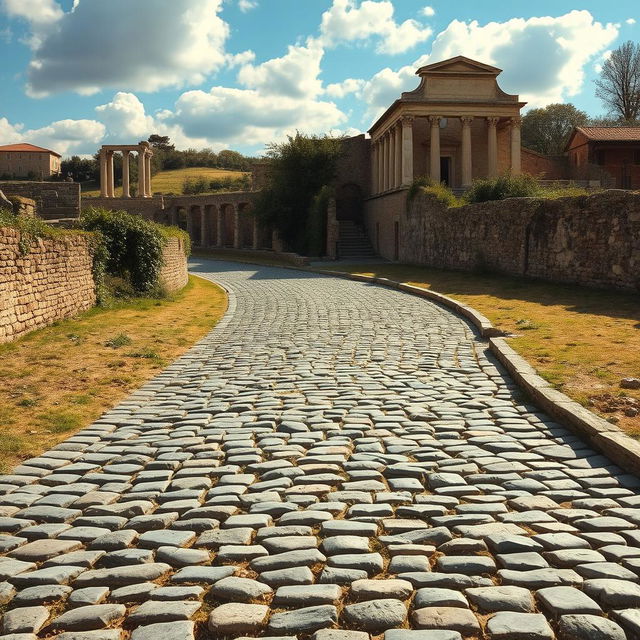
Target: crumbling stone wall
{"type": "Point", "coordinates": [53, 199]}
{"type": "Point", "coordinates": [174, 275]}
{"type": "Point", "coordinates": [588, 240]}
{"type": "Point", "coordinates": [51, 282]}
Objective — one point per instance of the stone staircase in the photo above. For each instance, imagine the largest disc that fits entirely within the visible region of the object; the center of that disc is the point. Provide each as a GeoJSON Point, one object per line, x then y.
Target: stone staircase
{"type": "Point", "coordinates": [353, 243]}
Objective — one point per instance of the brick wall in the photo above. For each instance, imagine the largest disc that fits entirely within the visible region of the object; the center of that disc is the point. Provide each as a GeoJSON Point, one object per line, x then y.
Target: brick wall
{"type": "Point", "coordinates": [547, 167]}
{"type": "Point", "coordinates": [588, 240]}
{"type": "Point", "coordinates": [52, 282]}
{"type": "Point", "coordinates": [53, 199]}
{"type": "Point", "coordinates": [174, 276]}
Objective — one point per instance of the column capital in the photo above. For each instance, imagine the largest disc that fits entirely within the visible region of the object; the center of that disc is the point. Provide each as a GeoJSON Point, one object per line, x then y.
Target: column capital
{"type": "Point", "coordinates": [435, 121]}
{"type": "Point", "coordinates": [406, 120]}
{"type": "Point", "coordinates": [492, 121]}
{"type": "Point", "coordinates": [516, 121]}
{"type": "Point", "coordinates": [466, 120]}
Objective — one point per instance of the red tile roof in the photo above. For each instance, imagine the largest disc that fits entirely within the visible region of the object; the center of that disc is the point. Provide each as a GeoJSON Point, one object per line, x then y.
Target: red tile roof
{"type": "Point", "coordinates": [26, 147]}
{"type": "Point", "coordinates": [606, 134]}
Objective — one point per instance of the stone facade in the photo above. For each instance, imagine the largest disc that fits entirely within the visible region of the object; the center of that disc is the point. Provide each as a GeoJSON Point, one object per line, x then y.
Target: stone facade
{"type": "Point", "coordinates": [587, 240]}
{"type": "Point", "coordinates": [24, 160]}
{"type": "Point", "coordinates": [52, 282]}
{"type": "Point", "coordinates": [54, 200]}
{"type": "Point", "coordinates": [174, 275]}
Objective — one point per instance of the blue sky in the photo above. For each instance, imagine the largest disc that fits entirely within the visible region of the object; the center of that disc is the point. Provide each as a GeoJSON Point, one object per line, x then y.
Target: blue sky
{"type": "Point", "coordinates": [241, 73]}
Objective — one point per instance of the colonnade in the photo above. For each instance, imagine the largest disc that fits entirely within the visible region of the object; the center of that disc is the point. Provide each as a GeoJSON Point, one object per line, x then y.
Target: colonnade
{"type": "Point", "coordinates": [392, 152]}
{"type": "Point", "coordinates": [107, 182]}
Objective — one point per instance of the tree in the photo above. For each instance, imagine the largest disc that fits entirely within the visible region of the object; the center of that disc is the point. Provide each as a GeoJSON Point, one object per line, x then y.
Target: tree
{"type": "Point", "coordinates": [80, 169]}
{"type": "Point", "coordinates": [298, 170]}
{"type": "Point", "coordinates": [547, 130]}
{"type": "Point", "coordinates": [161, 143]}
{"type": "Point", "coordinates": [619, 83]}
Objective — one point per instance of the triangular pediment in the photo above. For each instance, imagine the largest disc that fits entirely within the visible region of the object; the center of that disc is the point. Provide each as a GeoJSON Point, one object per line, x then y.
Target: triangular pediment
{"type": "Point", "coordinates": [459, 64]}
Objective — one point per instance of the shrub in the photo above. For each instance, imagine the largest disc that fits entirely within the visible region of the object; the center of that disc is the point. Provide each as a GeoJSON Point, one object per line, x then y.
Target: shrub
{"type": "Point", "coordinates": [442, 193]}
{"type": "Point", "coordinates": [504, 186]}
{"type": "Point", "coordinates": [133, 246]}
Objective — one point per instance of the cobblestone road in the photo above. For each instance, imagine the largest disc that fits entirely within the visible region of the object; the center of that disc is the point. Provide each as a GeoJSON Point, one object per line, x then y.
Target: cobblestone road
{"type": "Point", "coordinates": [337, 461]}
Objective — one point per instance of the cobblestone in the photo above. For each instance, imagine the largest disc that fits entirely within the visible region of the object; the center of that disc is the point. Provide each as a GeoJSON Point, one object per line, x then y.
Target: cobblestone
{"type": "Point", "coordinates": [335, 460]}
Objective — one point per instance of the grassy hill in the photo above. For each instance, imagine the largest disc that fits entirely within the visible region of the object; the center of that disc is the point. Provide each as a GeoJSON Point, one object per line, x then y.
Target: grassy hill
{"type": "Point", "coordinates": [169, 181]}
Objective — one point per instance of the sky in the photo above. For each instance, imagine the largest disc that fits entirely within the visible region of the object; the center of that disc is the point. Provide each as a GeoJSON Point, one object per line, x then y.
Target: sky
{"type": "Point", "coordinates": [239, 74]}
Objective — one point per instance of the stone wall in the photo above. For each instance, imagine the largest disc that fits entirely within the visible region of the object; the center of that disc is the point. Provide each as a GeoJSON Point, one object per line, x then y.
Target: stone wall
{"type": "Point", "coordinates": [51, 282]}
{"type": "Point", "coordinates": [588, 240]}
{"type": "Point", "coordinates": [146, 207]}
{"type": "Point", "coordinates": [547, 167]}
{"type": "Point", "coordinates": [174, 276]}
{"type": "Point", "coordinates": [53, 199]}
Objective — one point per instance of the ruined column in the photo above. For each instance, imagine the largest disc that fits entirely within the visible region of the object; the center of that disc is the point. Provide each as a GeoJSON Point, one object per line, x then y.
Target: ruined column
{"type": "Point", "coordinates": [516, 146]}
{"type": "Point", "coordinates": [103, 174]}
{"type": "Point", "coordinates": [220, 223]}
{"type": "Point", "coordinates": [397, 163]}
{"type": "Point", "coordinates": [236, 227]}
{"type": "Point", "coordinates": [407, 150]}
{"type": "Point", "coordinates": [142, 189]}
{"type": "Point", "coordinates": [125, 175]}
{"type": "Point", "coordinates": [147, 176]}
{"type": "Point", "coordinates": [467, 165]}
{"type": "Point", "coordinates": [434, 149]}
{"type": "Point", "coordinates": [492, 147]}
{"type": "Point", "coordinates": [110, 184]}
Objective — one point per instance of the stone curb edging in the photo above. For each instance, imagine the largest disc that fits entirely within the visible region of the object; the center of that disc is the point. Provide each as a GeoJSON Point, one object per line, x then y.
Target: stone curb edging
{"type": "Point", "coordinates": [599, 433]}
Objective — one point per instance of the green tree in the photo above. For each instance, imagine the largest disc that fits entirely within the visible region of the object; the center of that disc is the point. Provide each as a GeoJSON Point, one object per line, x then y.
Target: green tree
{"type": "Point", "coordinates": [162, 143]}
{"type": "Point", "coordinates": [619, 83]}
{"type": "Point", "coordinates": [547, 130]}
{"type": "Point", "coordinates": [299, 169]}
{"type": "Point", "coordinates": [80, 169]}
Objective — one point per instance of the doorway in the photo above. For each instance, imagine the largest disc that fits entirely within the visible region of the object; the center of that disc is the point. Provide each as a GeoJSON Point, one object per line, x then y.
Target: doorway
{"type": "Point", "coordinates": [445, 170]}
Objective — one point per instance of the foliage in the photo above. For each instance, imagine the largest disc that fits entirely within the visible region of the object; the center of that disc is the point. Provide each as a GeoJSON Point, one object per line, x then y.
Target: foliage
{"type": "Point", "coordinates": [30, 228]}
{"type": "Point", "coordinates": [80, 169]}
{"type": "Point", "coordinates": [547, 130]}
{"type": "Point", "coordinates": [504, 186]}
{"type": "Point", "coordinates": [161, 143]}
{"type": "Point", "coordinates": [619, 83]}
{"type": "Point", "coordinates": [192, 186]}
{"type": "Point", "coordinates": [299, 168]}
{"type": "Point", "coordinates": [442, 193]}
{"type": "Point", "coordinates": [133, 245]}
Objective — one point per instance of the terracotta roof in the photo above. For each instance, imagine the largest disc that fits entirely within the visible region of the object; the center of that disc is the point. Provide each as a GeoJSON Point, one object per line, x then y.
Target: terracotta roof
{"type": "Point", "coordinates": [26, 147]}
{"type": "Point", "coordinates": [605, 134]}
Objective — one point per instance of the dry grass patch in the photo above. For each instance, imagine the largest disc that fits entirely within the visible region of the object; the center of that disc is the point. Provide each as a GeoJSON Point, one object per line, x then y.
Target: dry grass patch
{"type": "Point", "coordinates": [171, 181]}
{"type": "Point", "coordinates": [57, 380]}
{"type": "Point", "coordinates": [583, 341]}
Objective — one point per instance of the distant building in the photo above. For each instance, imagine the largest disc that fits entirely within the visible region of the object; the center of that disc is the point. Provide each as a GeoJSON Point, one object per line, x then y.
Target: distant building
{"type": "Point", "coordinates": [25, 160]}
{"type": "Point", "coordinates": [615, 150]}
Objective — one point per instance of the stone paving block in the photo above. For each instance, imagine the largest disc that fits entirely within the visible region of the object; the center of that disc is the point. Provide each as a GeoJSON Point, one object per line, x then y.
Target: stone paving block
{"type": "Point", "coordinates": [446, 618]}
{"type": "Point", "coordinates": [507, 625]}
{"type": "Point", "coordinates": [307, 595]}
{"type": "Point", "coordinates": [24, 620]}
{"type": "Point", "coordinates": [376, 616]}
{"type": "Point", "coordinates": [89, 617]}
{"type": "Point", "coordinates": [153, 611]}
{"type": "Point", "coordinates": [594, 627]}
{"type": "Point", "coordinates": [100, 634]}
{"type": "Point", "coordinates": [240, 589]}
{"type": "Point", "coordinates": [558, 601]}
{"type": "Point", "coordinates": [376, 589]}
{"type": "Point", "coordinates": [305, 620]}
{"type": "Point", "coordinates": [414, 634]}
{"type": "Point", "coordinates": [501, 598]}
{"type": "Point", "coordinates": [183, 630]}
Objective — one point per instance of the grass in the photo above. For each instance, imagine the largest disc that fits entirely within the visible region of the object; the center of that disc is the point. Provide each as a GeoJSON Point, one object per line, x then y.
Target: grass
{"type": "Point", "coordinates": [57, 380]}
{"type": "Point", "coordinates": [169, 182]}
{"type": "Point", "coordinates": [583, 341]}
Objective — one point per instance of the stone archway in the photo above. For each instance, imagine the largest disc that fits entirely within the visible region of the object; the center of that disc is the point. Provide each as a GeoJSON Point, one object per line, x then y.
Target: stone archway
{"type": "Point", "coordinates": [227, 211]}
{"type": "Point", "coordinates": [195, 224]}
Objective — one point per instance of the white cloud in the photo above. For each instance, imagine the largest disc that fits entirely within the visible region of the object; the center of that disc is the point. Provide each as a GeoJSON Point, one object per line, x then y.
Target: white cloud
{"type": "Point", "coordinates": [247, 5]}
{"type": "Point", "coordinates": [428, 11]}
{"type": "Point", "coordinates": [293, 75]}
{"type": "Point", "coordinates": [345, 21]}
{"type": "Point", "coordinates": [63, 136]}
{"type": "Point", "coordinates": [563, 46]}
{"type": "Point", "coordinates": [125, 118]}
{"type": "Point", "coordinates": [38, 12]}
{"type": "Point", "coordinates": [143, 45]}
{"type": "Point", "coordinates": [630, 20]}
{"type": "Point", "coordinates": [344, 88]}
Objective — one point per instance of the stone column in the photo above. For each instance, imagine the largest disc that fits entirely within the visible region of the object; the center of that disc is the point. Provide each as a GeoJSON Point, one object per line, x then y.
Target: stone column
{"type": "Point", "coordinates": [380, 165]}
{"type": "Point", "coordinates": [434, 149]}
{"type": "Point", "coordinates": [220, 223]}
{"type": "Point", "coordinates": [203, 227]}
{"type": "Point", "coordinates": [467, 165]}
{"type": "Point", "coordinates": [147, 175]}
{"type": "Point", "coordinates": [516, 146]}
{"type": "Point", "coordinates": [110, 185]}
{"type": "Point", "coordinates": [385, 164]}
{"type": "Point", "coordinates": [256, 233]}
{"type": "Point", "coordinates": [407, 150]}
{"type": "Point", "coordinates": [492, 147]}
{"type": "Point", "coordinates": [392, 159]}
{"type": "Point", "coordinates": [374, 167]}
{"type": "Point", "coordinates": [126, 191]}
{"type": "Point", "coordinates": [189, 213]}
{"type": "Point", "coordinates": [142, 189]}
{"type": "Point", "coordinates": [236, 227]}
{"type": "Point", "coordinates": [397, 162]}
{"type": "Point", "coordinates": [103, 174]}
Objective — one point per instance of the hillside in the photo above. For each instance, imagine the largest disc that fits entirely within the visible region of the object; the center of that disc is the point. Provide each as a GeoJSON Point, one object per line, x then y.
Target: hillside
{"type": "Point", "coordinates": [170, 182]}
